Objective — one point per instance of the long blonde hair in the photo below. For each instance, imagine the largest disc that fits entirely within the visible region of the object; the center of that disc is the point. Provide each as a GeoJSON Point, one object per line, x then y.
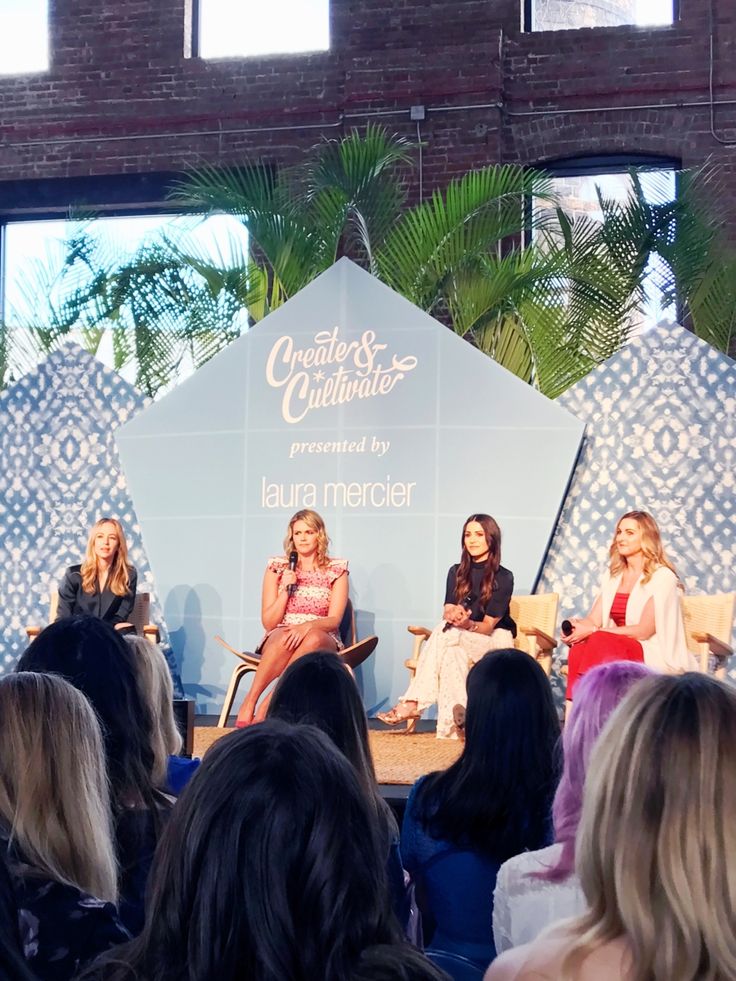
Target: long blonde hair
{"type": "Point", "coordinates": [315, 522]}
{"type": "Point", "coordinates": [651, 546]}
{"type": "Point", "coordinates": [118, 579]}
{"type": "Point", "coordinates": [157, 691]}
{"type": "Point", "coordinates": [54, 796]}
{"type": "Point", "coordinates": [656, 847]}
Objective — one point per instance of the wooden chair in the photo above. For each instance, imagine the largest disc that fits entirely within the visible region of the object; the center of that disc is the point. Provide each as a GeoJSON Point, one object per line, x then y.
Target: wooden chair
{"type": "Point", "coordinates": [354, 653]}
{"type": "Point", "coordinates": [139, 617]}
{"type": "Point", "coordinates": [535, 618]}
{"type": "Point", "coordinates": [708, 621]}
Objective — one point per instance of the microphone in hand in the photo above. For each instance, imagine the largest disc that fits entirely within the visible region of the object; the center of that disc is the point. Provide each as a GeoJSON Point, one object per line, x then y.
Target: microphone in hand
{"type": "Point", "coordinates": [293, 559]}
{"type": "Point", "coordinates": [566, 628]}
{"type": "Point", "coordinates": [467, 604]}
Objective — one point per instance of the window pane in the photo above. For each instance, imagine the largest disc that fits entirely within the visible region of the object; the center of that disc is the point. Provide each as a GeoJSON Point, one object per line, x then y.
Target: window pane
{"type": "Point", "coordinates": [560, 15]}
{"type": "Point", "coordinates": [578, 197]}
{"type": "Point", "coordinates": [231, 28]}
{"type": "Point", "coordinates": [43, 271]}
{"type": "Point", "coordinates": [24, 36]}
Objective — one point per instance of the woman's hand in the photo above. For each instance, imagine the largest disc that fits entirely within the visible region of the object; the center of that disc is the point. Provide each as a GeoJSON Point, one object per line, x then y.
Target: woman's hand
{"type": "Point", "coordinates": [288, 578]}
{"type": "Point", "coordinates": [581, 630]}
{"type": "Point", "coordinates": [454, 614]}
{"type": "Point", "coordinates": [293, 636]}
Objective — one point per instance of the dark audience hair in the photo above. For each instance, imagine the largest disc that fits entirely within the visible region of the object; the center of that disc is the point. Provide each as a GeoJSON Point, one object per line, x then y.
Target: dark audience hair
{"type": "Point", "coordinates": [496, 799]}
{"type": "Point", "coordinates": [270, 869]}
{"type": "Point", "coordinates": [93, 656]}
{"type": "Point", "coordinates": [395, 962]}
{"type": "Point", "coordinates": [317, 689]}
{"type": "Point", "coordinates": [13, 966]}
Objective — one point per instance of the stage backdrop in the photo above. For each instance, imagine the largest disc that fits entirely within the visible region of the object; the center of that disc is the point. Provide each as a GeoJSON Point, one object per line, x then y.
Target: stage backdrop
{"type": "Point", "coordinates": [351, 401]}
{"type": "Point", "coordinates": [661, 437]}
{"type": "Point", "coordinates": [59, 473]}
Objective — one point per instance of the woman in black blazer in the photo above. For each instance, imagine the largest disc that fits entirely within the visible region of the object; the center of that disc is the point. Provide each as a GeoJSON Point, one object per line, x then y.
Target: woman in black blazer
{"type": "Point", "coordinates": [104, 584]}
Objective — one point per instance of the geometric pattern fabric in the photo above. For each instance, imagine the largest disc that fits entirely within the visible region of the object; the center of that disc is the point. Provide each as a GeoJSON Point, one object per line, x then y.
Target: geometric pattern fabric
{"type": "Point", "coordinates": [660, 437]}
{"type": "Point", "coordinates": [60, 472]}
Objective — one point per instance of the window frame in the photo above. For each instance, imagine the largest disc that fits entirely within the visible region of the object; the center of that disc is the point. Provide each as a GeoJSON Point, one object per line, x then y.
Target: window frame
{"type": "Point", "coordinates": [527, 16]}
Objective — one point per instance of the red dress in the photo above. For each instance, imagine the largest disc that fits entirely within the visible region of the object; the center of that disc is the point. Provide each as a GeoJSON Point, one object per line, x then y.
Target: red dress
{"type": "Point", "coordinates": [603, 646]}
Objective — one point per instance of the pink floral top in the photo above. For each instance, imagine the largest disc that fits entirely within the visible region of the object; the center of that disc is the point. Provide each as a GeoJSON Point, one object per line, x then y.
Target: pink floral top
{"type": "Point", "coordinates": [313, 591]}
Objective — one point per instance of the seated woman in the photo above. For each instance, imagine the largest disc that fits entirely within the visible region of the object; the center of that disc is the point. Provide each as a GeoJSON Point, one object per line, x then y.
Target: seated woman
{"type": "Point", "coordinates": [96, 660]}
{"type": "Point", "coordinates": [104, 584]}
{"type": "Point", "coordinates": [461, 824]}
{"type": "Point", "coordinates": [55, 824]}
{"type": "Point", "coordinates": [319, 690]}
{"type": "Point", "coordinates": [655, 851]}
{"type": "Point", "coordinates": [476, 619]}
{"type": "Point", "coordinates": [303, 600]}
{"type": "Point", "coordinates": [271, 869]}
{"type": "Point", "coordinates": [637, 615]}
{"type": "Point", "coordinates": [536, 889]}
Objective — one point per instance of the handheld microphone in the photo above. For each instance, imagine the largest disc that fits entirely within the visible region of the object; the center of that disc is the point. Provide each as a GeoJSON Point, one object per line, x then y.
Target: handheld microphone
{"type": "Point", "coordinates": [293, 559]}
{"type": "Point", "coordinates": [566, 628]}
{"type": "Point", "coordinates": [467, 603]}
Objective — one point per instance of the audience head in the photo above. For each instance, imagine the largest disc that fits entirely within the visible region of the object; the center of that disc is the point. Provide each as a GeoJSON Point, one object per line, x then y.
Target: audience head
{"type": "Point", "coordinates": [54, 797]}
{"type": "Point", "coordinates": [497, 796]}
{"type": "Point", "coordinates": [106, 545]}
{"type": "Point", "coordinates": [657, 839]}
{"type": "Point", "coordinates": [269, 868]}
{"type": "Point", "coordinates": [94, 657]}
{"type": "Point", "coordinates": [598, 693]}
{"type": "Point", "coordinates": [157, 691]}
{"type": "Point", "coordinates": [318, 690]}
{"type": "Point", "coordinates": [313, 521]}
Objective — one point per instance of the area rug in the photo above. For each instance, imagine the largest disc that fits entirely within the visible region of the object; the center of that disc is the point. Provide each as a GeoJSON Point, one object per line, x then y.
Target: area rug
{"type": "Point", "coordinates": [398, 759]}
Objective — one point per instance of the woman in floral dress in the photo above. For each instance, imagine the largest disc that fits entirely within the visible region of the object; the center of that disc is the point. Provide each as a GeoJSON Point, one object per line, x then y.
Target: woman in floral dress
{"type": "Point", "coordinates": [301, 607]}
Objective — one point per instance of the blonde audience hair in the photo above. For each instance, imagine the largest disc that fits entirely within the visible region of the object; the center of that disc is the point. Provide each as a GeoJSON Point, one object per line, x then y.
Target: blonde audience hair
{"type": "Point", "coordinates": [118, 579]}
{"type": "Point", "coordinates": [315, 522]}
{"type": "Point", "coordinates": [157, 691]}
{"type": "Point", "coordinates": [651, 546]}
{"type": "Point", "coordinates": [656, 848]}
{"type": "Point", "coordinates": [54, 795]}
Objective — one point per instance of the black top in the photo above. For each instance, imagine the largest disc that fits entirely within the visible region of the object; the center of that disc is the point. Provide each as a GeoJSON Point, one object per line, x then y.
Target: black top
{"type": "Point", "coordinates": [73, 601]}
{"type": "Point", "coordinates": [498, 603]}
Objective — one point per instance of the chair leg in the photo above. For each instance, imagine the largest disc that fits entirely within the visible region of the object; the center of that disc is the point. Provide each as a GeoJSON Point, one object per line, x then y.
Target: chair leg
{"type": "Point", "coordinates": [232, 690]}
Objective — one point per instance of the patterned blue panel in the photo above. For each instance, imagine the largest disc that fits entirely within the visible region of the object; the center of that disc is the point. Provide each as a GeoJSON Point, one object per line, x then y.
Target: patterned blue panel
{"type": "Point", "coordinates": [59, 472]}
{"type": "Point", "coordinates": [660, 437]}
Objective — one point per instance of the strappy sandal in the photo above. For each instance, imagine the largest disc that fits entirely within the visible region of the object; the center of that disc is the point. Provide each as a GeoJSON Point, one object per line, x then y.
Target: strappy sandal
{"type": "Point", "coordinates": [394, 717]}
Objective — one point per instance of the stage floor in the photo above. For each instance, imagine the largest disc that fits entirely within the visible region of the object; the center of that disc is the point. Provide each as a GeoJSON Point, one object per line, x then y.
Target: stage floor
{"type": "Point", "coordinates": [398, 759]}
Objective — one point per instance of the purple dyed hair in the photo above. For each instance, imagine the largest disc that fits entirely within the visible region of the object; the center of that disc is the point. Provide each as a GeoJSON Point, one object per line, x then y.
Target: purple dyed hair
{"type": "Point", "coordinates": [598, 693]}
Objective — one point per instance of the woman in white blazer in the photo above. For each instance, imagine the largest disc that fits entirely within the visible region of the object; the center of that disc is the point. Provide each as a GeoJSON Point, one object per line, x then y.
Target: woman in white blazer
{"type": "Point", "coordinates": [636, 616]}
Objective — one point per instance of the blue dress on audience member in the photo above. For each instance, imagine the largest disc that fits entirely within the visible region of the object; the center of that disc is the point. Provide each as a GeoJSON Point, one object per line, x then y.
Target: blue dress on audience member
{"type": "Point", "coordinates": [61, 927]}
{"type": "Point", "coordinates": [454, 885]}
{"type": "Point", "coordinates": [179, 772]}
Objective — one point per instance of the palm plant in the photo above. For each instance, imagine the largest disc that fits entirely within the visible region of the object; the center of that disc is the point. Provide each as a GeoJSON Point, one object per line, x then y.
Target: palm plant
{"type": "Point", "coordinates": [548, 311]}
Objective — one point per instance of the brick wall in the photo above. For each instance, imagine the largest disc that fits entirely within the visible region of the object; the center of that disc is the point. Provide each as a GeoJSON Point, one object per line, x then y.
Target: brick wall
{"type": "Point", "coordinates": [122, 96]}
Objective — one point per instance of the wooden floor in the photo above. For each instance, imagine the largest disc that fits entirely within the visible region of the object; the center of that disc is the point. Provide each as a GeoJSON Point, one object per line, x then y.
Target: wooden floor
{"type": "Point", "coordinates": [398, 759]}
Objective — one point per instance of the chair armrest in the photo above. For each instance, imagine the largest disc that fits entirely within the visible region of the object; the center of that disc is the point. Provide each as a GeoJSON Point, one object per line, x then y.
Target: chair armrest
{"type": "Point", "coordinates": [32, 631]}
{"type": "Point", "coordinates": [544, 640]}
{"type": "Point", "coordinates": [717, 647]}
{"type": "Point", "coordinates": [420, 632]}
{"type": "Point", "coordinates": [151, 632]}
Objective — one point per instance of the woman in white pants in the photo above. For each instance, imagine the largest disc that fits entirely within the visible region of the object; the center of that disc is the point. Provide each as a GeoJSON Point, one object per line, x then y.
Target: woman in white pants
{"type": "Point", "coordinates": [476, 620]}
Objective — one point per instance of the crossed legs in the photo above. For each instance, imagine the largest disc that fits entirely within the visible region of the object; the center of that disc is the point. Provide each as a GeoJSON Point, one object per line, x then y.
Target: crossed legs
{"type": "Point", "coordinates": [275, 658]}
